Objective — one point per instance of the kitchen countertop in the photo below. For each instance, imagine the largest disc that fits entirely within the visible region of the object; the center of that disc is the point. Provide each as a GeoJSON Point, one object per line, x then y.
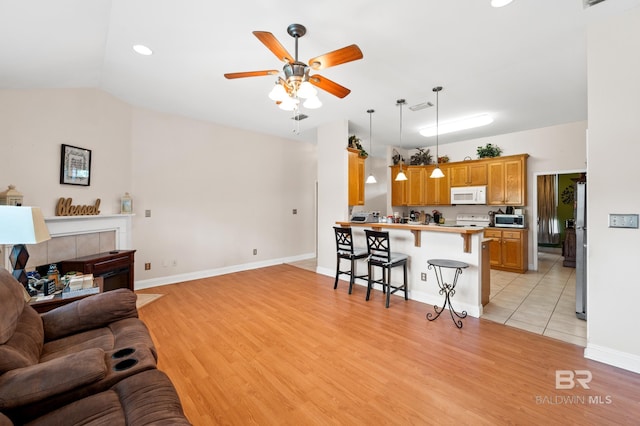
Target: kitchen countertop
{"type": "Point", "coordinates": [465, 232]}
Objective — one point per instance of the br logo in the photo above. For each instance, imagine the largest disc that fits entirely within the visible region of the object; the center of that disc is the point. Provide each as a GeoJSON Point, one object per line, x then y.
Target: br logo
{"type": "Point", "coordinates": [567, 379]}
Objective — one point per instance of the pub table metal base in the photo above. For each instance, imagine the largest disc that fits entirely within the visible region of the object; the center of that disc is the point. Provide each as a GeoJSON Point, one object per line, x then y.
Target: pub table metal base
{"type": "Point", "coordinates": [449, 290]}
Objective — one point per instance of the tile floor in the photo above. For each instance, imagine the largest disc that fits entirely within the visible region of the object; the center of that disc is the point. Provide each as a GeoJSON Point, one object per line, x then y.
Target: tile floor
{"type": "Point", "coordinates": [541, 302]}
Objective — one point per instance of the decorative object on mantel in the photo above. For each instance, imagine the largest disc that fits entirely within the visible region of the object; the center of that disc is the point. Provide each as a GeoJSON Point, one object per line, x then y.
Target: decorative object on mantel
{"type": "Point", "coordinates": [75, 165]}
{"type": "Point", "coordinates": [11, 197]}
{"type": "Point", "coordinates": [65, 208]}
{"type": "Point", "coordinates": [421, 158]}
{"type": "Point", "coordinates": [355, 143]}
{"type": "Point", "coordinates": [126, 204]}
{"type": "Point", "coordinates": [443, 159]}
{"type": "Point", "coordinates": [489, 151]}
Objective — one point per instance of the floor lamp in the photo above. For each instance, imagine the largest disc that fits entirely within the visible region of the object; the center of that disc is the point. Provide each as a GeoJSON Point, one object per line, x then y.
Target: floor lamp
{"type": "Point", "coordinates": [20, 226]}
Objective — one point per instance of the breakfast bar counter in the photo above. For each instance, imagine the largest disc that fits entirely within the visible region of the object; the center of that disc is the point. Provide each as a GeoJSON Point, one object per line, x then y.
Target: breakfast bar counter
{"type": "Point", "coordinates": [423, 242]}
{"type": "Point", "coordinates": [416, 229]}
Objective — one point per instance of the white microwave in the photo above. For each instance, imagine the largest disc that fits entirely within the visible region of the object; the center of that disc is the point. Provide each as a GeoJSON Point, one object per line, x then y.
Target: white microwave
{"type": "Point", "coordinates": [469, 195]}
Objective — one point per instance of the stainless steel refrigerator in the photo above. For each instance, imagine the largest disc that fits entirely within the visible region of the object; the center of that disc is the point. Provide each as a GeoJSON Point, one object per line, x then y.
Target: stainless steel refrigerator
{"type": "Point", "coordinates": [581, 249]}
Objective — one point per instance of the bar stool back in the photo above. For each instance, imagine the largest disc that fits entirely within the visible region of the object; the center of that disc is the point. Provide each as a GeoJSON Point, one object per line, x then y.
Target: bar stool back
{"type": "Point", "coordinates": [345, 250]}
{"type": "Point", "coordinates": [380, 255]}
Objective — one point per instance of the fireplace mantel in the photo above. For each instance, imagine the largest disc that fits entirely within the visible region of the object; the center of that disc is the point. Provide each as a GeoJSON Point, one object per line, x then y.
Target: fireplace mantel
{"type": "Point", "coordinates": [62, 226]}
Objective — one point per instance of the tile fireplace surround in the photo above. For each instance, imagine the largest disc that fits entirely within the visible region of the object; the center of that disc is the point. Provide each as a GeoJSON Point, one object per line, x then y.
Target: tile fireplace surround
{"type": "Point", "coordinates": [74, 236]}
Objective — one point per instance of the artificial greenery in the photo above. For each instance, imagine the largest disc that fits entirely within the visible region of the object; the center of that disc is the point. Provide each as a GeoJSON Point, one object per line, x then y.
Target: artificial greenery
{"type": "Point", "coordinates": [422, 157]}
{"type": "Point", "coordinates": [355, 143]}
{"type": "Point", "coordinates": [489, 151]}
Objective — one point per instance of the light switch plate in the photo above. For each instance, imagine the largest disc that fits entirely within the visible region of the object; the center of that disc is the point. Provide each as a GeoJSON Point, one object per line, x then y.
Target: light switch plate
{"type": "Point", "coordinates": [618, 220]}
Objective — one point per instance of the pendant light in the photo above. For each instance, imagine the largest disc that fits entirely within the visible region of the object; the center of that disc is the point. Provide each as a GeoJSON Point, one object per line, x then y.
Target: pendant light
{"type": "Point", "coordinates": [371, 178]}
{"type": "Point", "coordinates": [437, 173]}
{"type": "Point", "coordinates": [401, 176]}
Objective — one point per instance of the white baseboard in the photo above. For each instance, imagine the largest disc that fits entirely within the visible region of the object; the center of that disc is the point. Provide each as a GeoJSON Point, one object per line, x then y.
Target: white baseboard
{"type": "Point", "coordinates": [612, 357]}
{"type": "Point", "coordinates": [172, 279]}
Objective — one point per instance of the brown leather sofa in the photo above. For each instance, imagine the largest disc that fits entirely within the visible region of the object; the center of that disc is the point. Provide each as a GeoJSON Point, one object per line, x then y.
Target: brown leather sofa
{"type": "Point", "coordinates": [91, 347]}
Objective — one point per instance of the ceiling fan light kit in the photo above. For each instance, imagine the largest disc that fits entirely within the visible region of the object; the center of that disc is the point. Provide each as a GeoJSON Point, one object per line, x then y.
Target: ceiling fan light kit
{"type": "Point", "coordinates": [297, 82]}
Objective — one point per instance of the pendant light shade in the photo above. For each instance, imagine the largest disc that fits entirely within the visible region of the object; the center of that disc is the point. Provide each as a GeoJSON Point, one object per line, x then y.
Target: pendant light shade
{"type": "Point", "coordinates": [437, 173]}
{"type": "Point", "coordinates": [401, 176]}
{"type": "Point", "coordinates": [371, 178]}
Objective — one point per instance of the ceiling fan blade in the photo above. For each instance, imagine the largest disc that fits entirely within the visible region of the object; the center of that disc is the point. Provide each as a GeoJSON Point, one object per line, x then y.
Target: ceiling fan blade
{"type": "Point", "coordinates": [232, 75]}
{"type": "Point", "coordinates": [337, 57]}
{"type": "Point", "coordinates": [274, 45]}
{"type": "Point", "coordinates": [329, 86]}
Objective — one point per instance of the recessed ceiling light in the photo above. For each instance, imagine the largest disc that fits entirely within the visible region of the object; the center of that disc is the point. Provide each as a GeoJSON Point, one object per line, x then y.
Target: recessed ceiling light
{"type": "Point", "coordinates": [142, 49]}
{"type": "Point", "coordinates": [500, 3]}
{"type": "Point", "coordinates": [457, 125]}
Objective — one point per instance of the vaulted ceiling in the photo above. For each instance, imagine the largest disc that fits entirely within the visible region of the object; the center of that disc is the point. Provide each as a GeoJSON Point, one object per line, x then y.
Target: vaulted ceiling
{"type": "Point", "coordinates": [524, 63]}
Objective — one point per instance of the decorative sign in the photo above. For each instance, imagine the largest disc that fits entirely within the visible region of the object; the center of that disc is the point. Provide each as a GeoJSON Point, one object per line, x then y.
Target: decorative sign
{"type": "Point", "coordinates": [65, 208]}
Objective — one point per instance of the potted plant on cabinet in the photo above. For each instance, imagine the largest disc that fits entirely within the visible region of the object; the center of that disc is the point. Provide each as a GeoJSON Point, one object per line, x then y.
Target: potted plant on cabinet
{"type": "Point", "coordinates": [355, 143]}
{"type": "Point", "coordinates": [489, 151]}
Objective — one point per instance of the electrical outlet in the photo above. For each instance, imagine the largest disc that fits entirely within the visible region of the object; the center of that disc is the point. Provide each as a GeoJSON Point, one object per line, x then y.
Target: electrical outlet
{"type": "Point", "coordinates": [255, 252]}
{"type": "Point", "coordinates": [147, 266]}
{"type": "Point", "coordinates": [295, 211]}
{"type": "Point", "coordinates": [147, 213]}
{"type": "Point", "coordinates": [423, 276]}
{"type": "Point", "coordinates": [174, 263]}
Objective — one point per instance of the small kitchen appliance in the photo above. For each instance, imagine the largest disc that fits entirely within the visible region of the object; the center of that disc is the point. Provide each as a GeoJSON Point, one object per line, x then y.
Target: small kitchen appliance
{"type": "Point", "coordinates": [509, 221]}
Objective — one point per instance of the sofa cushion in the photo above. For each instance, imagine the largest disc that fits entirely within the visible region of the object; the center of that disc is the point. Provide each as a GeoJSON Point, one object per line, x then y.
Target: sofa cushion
{"type": "Point", "coordinates": [117, 335]}
{"type": "Point", "coordinates": [25, 386]}
{"type": "Point", "coordinates": [11, 304]}
{"type": "Point", "coordinates": [146, 398]}
{"type": "Point", "coordinates": [92, 312]}
{"type": "Point", "coordinates": [24, 347]}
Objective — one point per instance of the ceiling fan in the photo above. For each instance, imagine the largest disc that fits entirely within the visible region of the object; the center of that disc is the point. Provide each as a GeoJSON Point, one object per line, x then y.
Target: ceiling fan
{"type": "Point", "coordinates": [296, 73]}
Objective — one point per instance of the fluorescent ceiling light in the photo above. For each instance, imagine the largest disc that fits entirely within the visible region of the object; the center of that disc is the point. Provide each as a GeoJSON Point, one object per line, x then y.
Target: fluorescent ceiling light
{"type": "Point", "coordinates": [500, 3]}
{"type": "Point", "coordinates": [142, 49]}
{"type": "Point", "coordinates": [457, 125]}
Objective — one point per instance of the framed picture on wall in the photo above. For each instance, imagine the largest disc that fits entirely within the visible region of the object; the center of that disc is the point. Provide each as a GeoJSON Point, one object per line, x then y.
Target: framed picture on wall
{"type": "Point", "coordinates": [75, 165]}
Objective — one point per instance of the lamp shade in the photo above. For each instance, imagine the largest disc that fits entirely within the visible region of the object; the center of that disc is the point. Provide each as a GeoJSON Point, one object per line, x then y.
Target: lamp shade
{"type": "Point", "coordinates": [22, 225]}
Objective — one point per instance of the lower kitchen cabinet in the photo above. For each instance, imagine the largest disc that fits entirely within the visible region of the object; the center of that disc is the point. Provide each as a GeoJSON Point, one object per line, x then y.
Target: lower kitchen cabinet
{"type": "Point", "coordinates": [508, 249]}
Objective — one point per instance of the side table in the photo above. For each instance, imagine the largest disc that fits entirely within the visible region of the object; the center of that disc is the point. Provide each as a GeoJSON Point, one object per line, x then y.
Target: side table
{"type": "Point", "coordinates": [447, 289]}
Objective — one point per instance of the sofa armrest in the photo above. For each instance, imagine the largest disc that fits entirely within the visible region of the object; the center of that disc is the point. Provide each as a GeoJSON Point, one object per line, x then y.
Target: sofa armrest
{"type": "Point", "coordinates": [91, 312]}
{"type": "Point", "coordinates": [27, 385]}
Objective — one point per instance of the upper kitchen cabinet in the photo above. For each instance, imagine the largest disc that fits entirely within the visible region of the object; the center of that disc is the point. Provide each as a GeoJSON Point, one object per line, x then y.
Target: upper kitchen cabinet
{"type": "Point", "coordinates": [415, 185]}
{"type": "Point", "coordinates": [356, 178]}
{"type": "Point", "coordinates": [507, 181]}
{"type": "Point", "coordinates": [468, 173]}
{"type": "Point", "coordinates": [438, 190]}
{"type": "Point", "coordinates": [398, 188]}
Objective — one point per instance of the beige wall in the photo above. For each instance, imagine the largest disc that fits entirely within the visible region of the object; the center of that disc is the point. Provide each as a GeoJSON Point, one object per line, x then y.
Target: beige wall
{"type": "Point", "coordinates": [613, 287]}
{"type": "Point", "coordinates": [215, 193]}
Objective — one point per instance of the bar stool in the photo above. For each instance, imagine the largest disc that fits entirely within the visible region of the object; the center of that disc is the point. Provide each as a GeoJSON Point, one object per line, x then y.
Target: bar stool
{"type": "Point", "coordinates": [380, 255]}
{"type": "Point", "coordinates": [345, 250]}
{"type": "Point", "coordinates": [447, 289]}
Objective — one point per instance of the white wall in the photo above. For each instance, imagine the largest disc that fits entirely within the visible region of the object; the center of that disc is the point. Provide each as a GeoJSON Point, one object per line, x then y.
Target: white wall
{"type": "Point", "coordinates": [215, 193]}
{"type": "Point", "coordinates": [613, 288]}
{"type": "Point", "coordinates": [34, 124]}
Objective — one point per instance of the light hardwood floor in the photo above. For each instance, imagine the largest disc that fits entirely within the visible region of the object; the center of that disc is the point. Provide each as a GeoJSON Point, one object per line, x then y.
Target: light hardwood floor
{"type": "Point", "coordinates": [278, 345]}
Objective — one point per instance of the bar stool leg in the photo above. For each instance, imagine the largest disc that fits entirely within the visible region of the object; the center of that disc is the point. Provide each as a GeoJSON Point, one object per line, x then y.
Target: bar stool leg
{"type": "Point", "coordinates": [335, 284]}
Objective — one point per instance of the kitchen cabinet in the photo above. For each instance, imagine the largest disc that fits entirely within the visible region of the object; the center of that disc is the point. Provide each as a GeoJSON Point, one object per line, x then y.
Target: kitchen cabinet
{"type": "Point", "coordinates": [508, 249]}
{"type": "Point", "coordinates": [468, 173]}
{"type": "Point", "coordinates": [415, 185]}
{"type": "Point", "coordinates": [398, 188]}
{"type": "Point", "coordinates": [356, 178]}
{"type": "Point", "coordinates": [437, 191]}
{"type": "Point", "coordinates": [507, 181]}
